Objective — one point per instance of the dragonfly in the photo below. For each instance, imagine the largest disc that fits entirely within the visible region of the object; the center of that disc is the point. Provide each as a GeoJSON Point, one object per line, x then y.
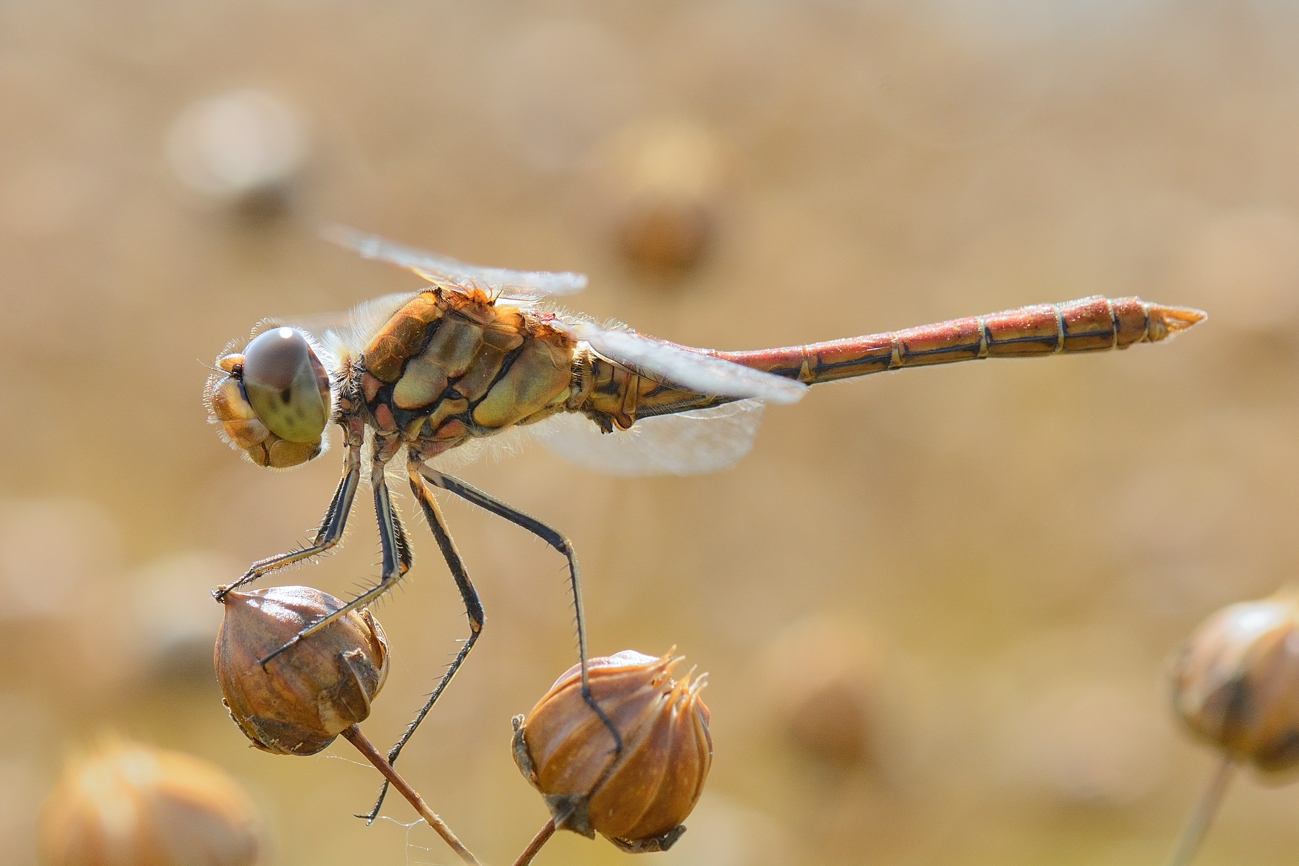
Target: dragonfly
{"type": "Point", "coordinates": [480, 351]}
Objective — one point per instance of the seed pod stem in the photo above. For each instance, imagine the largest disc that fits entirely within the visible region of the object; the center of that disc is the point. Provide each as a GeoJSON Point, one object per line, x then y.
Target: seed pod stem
{"type": "Point", "coordinates": [542, 837]}
{"type": "Point", "coordinates": [1197, 823]}
{"type": "Point", "coordinates": [365, 747]}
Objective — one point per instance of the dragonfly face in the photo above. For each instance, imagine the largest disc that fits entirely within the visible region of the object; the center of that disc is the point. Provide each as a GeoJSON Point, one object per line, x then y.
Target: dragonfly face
{"type": "Point", "coordinates": [272, 399]}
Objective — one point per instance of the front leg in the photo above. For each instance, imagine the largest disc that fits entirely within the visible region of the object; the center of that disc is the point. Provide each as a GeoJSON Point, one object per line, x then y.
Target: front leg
{"type": "Point", "coordinates": [329, 533]}
{"type": "Point", "coordinates": [396, 558]}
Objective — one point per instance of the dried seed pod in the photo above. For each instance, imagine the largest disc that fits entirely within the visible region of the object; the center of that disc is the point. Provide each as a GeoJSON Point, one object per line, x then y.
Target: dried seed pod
{"type": "Point", "coordinates": [132, 805]}
{"type": "Point", "coordinates": [636, 797]}
{"type": "Point", "coordinates": [1236, 681]}
{"type": "Point", "coordinates": [299, 701]}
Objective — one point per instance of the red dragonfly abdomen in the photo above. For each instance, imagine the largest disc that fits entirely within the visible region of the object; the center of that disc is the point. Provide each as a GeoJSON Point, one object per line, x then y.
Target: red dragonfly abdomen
{"type": "Point", "coordinates": [1087, 325]}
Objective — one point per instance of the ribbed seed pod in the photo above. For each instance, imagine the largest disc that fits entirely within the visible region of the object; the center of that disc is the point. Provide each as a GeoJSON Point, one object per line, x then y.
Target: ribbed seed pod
{"type": "Point", "coordinates": [128, 804]}
{"type": "Point", "coordinates": [636, 797]}
{"type": "Point", "coordinates": [1236, 681]}
{"type": "Point", "coordinates": [299, 701]}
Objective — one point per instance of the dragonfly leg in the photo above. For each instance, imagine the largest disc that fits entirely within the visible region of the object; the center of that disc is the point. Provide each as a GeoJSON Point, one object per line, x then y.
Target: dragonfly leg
{"type": "Point", "coordinates": [405, 557]}
{"type": "Point", "coordinates": [473, 610]}
{"type": "Point", "coordinates": [553, 538]}
{"type": "Point", "coordinates": [328, 534]}
{"type": "Point", "coordinates": [396, 558]}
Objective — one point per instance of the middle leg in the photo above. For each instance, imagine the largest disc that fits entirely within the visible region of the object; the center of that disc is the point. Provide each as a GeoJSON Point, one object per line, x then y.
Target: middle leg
{"type": "Point", "coordinates": [328, 534]}
{"type": "Point", "coordinates": [468, 595]}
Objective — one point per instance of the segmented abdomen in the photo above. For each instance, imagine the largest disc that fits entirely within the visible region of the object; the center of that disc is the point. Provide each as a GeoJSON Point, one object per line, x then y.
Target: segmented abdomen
{"type": "Point", "coordinates": [1086, 325]}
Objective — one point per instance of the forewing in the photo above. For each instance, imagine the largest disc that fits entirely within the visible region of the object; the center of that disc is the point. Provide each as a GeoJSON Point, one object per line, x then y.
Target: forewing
{"type": "Point", "coordinates": [686, 443]}
{"type": "Point", "coordinates": [347, 333]}
{"type": "Point", "coordinates": [697, 371]}
{"type": "Point", "coordinates": [365, 316]}
{"type": "Point", "coordinates": [502, 282]}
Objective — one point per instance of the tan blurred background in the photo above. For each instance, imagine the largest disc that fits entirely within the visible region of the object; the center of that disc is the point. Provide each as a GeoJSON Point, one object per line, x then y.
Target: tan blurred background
{"type": "Point", "coordinates": [975, 572]}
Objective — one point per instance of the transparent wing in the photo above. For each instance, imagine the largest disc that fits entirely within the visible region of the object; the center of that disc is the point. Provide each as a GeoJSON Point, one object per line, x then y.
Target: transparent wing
{"type": "Point", "coordinates": [686, 443]}
{"type": "Point", "coordinates": [680, 366]}
{"type": "Point", "coordinates": [366, 316]}
{"type": "Point", "coordinates": [347, 332]}
{"type": "Point", "coordinates": [502, 282]}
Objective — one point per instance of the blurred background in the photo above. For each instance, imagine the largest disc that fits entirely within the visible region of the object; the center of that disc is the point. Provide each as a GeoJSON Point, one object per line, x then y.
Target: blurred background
{"type": "Point", "coordinates": [935, 606]}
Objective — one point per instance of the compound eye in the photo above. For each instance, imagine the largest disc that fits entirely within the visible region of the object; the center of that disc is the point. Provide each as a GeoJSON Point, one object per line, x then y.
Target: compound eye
{"type": "Point", "coordinates": [286, 385]}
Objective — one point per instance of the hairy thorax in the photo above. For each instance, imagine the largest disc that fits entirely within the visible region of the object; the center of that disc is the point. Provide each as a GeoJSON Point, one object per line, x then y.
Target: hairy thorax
{"type": "Point", "coordinates": [451, 366]}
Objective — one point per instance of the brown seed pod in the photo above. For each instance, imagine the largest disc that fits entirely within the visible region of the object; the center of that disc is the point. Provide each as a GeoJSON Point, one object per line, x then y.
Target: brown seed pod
{"type": "Point", "coordinates": [1236, 681]}
{"type": "Point", "coordinates": [822, 677]}
{"type": "Point", "coordinates": [244, 149]}
{"type": "Point", "coordinates": [132, 805]}
{"type": "Point", "coordinates": [636, 797]}
{"type": "Point", "coordinates": [664, 181]}
{"type": "Point", "coordinates": [299, 701]}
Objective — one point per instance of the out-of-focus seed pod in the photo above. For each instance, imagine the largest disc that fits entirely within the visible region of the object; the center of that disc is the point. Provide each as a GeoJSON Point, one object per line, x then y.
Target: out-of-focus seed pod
{"type": "Point", "coordinates": [664, 181]}
{"type": "Point", "coordinates": [174, 618]}
{"type": "Point", "coordinates": [243, 147]}
{"type": "Point", "coordinates": [1236, 681]}
{"type": "Point", "coordinates": [636, 797]}
{"type": "Point", "coordinates": [822, 674]}
{"type": "Point", "coordinates": [132, 805]}
{"type": "Point", "coordinates": [299, 701]}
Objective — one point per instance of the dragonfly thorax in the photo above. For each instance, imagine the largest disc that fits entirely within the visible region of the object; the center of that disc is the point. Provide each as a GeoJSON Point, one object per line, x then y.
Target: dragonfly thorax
{"type": "Point", "coordinates": [452, 364]}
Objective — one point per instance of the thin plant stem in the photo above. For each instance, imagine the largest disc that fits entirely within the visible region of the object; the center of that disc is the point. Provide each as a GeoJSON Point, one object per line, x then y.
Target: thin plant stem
{"type": "Point", "coordinates": [365, 747]}
{"type": "Point", "coordinates": [1197, 823]}
{"type": "Point", "coordinates": [543, 835]}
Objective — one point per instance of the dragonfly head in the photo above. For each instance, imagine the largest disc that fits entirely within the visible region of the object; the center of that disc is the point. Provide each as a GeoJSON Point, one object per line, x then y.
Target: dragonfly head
{"type": "Point", "coordinates": [272, 399]}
